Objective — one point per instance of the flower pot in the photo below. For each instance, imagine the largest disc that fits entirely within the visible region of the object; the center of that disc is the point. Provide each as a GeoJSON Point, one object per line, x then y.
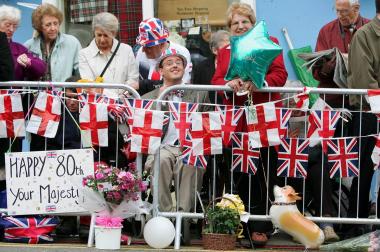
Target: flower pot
{"type": "Point", "coordinates": [107, 237]}
{"type": "Point", "coordinates": [219, 241]}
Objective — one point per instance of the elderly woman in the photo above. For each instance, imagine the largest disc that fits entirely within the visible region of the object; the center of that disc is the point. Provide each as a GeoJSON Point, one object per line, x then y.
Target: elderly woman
{"type": "Point", "coordinates": [59, 51]}
{"type": "Point", "coordinates": [106, 59]}
{"type": "Point", "coordinates": [26, 65]}
{"type": "Point", "coordinates": [240, 19]}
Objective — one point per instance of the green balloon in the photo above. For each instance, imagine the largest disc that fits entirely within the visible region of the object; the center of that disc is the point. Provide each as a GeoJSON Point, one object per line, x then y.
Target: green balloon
{"type": "Point", "coordinates": [251, 55]}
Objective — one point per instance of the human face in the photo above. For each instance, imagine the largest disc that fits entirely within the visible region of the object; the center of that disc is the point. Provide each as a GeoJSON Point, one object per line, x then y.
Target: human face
{"type": "Point", "coordinates": [50, 27]}
{"type": "Point", "coordinates": [153, 52]}
{"type": "Point", "coordinates": [172, 70]}
{"type": "Point", "coordinates": [346, 13]}
{"type": "Point", "coordinates": [103, 39]}
{"type": "Point", "coordinates": [73, 103]}
{"type": "Point", "coordinates": [240, 24]}
{"type": "Point", "coordinates": [9, 27]}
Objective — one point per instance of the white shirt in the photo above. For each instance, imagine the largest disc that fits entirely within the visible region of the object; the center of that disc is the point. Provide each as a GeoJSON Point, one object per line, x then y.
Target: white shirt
{"type": "Point", "coordinates": [122, 70]}
{"type": "Point", "coordinates": [147, 67]}
{"type": "Point", "coordinates": [172, 134]}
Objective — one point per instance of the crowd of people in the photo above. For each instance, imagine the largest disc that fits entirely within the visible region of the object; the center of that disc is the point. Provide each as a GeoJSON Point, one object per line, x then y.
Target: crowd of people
{"type": "Point", "coordinates": [159, 63]}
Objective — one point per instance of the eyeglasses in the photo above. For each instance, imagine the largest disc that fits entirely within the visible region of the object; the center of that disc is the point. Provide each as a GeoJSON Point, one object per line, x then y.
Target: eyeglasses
{"type": "Point", "coordinates": [170, 63]}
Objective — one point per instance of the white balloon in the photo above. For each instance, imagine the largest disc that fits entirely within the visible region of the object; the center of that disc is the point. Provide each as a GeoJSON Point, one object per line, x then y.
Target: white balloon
{"type": "Point", "coordinates": [159, 232]}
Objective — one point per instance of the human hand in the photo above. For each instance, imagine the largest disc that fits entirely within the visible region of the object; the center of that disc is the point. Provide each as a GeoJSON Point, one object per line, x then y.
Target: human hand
{"type": "Point", "coordinates": [235, 84]}
{"type": "Point", "coordinates": [249, 86]}
{"type": "Point", "coordinates": [24, 60]}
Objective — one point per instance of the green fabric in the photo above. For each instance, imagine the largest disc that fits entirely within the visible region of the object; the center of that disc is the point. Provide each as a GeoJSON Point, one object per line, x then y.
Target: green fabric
{"type": "Point", "coordinates": [305, 76]}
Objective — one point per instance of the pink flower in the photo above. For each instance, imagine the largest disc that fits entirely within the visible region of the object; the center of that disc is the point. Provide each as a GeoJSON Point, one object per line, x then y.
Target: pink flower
{"type": "Point", "coordinates": [122, 174]}
{"type": "Point", "coordinates": [99, 176]}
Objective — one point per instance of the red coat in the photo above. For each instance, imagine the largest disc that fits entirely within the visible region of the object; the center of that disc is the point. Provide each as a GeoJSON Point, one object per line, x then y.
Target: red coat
{"type": "Point", "coordinates": [275, 77]}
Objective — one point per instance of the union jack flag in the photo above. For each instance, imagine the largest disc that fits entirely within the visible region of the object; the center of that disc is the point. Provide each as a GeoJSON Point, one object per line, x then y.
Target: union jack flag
{"type": "Point", "coordinates": [181, 115]}
{"type": "Point", "coordinates": [188, 156]}
{"type": "Point", "coordinates": [293, 157]}
{"type": "Point", "coordinates": [30, 230]}
{"type": "Point", "coordinates": [132, 104]}
{"type": "Point", "coordinates": [51, 154]}
{"type": "Point", "coordinates": [244, 158]}
{"type": "Point", "coordinates": [343, 157]}
{"type": "Point", "coordinates": [322, 124]}
{"type": "Point", "coordinates": [283, 116]}
{"type": "Point", "coordinates": [230, 116]}
{"type": "Point", "coordinates": [92, 98]}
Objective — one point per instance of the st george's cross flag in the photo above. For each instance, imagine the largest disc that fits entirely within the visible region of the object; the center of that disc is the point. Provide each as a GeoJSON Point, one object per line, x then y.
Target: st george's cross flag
{"type": "Point", "coordinates": [373, 98]}
{"type": "Point", "coordinates": [244, 158]}
{"type": "Point", "coordinates": [180, 115]}
{"type": "Point", "coordinates": [206, 132]}
{"type": "Point", "coordinates": [230, 116]}
{"type": "Point", "coordinates": [188, 156]}
{"type": "Point", "coordinates": [293, 157]}
{"type": "Point", "coordinates": [12, 121]}
{"type": "Point", "coordinates": [376, 153]}
{"type": "Point", "coordinates": [262, 125]}
{"type": "Point", "coordinates": [343, 157]}
{"type": "Point", "coordinates": [302, 100]}
{"type": "Point", "coordinates": [93, 122]}
{"type": "Point", "coordinates": [146, 131]}
{"type": "Point", "coordinates": [46, 114]}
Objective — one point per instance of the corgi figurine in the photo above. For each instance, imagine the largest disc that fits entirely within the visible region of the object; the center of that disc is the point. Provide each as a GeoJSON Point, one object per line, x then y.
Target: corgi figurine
{"type": "Point", "coordinates": [286, 216]}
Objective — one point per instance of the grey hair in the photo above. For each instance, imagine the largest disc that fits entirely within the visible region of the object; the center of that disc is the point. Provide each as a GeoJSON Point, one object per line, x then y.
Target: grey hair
{"type": "Point", "coordinates": [217, 37]}
{"type": "Point", "coordinates": [10, 13]}
{"type": "Point", "coordinates": [354, 2]}
{"type": "Point", "coordinates": [106, 21]}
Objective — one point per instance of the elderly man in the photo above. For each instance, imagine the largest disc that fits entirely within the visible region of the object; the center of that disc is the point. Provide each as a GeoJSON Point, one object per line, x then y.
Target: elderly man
{"type": "Point", "coordinates": [338, 33]}
{"type": "Point", "coordinates": [153, 38]}
{"type": "Point", "coordinates": [364, 62]}
{"type": "Point", "coordinates": [171, 66]}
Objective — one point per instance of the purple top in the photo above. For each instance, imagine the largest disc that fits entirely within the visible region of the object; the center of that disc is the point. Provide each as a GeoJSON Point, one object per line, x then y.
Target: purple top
{"type": "Point", "coordinates": [33, 72]}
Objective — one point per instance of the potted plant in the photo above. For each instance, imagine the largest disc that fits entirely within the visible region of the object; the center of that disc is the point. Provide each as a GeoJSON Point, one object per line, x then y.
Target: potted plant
{"type": "Point", "coordinates": [113, 194]}
{"type": "Point", "coordinates": [222, 223]}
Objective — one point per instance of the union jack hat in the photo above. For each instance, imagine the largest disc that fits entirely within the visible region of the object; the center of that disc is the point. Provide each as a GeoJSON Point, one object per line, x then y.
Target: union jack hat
{"type": "Point", "coordinates": [171, 52]}
{"type": "Point", "coordinates": [152, 32]}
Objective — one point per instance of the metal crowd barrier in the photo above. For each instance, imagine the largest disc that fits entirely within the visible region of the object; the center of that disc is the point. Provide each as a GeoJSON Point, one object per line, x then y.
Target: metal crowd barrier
{"type": "Point", "coordinates": [63, 85]}
{"type": "Point", "coordinates": [284, 91]}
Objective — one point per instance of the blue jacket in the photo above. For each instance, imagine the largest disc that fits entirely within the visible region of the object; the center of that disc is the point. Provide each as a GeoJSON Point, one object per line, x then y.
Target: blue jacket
{"type": "Point", "coordinates": [64, 58]}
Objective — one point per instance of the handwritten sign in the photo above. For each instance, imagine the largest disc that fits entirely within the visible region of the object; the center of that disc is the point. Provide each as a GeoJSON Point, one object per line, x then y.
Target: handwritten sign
{"type": "Point", "coordinates": [44, 182]}
{"type": "Point", "coordinates": [214, 10]}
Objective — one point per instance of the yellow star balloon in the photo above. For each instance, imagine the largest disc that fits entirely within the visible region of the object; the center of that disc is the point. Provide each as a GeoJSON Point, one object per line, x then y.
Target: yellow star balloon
{"type": "Point", "coordinates": [251, 55]}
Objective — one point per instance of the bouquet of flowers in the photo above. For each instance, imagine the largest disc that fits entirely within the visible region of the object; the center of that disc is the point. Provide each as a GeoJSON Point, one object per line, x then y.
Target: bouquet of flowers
{"type": "Point", "coordinates": [116, 185]}
{"type": "Point", "coordinates": [112, 192]}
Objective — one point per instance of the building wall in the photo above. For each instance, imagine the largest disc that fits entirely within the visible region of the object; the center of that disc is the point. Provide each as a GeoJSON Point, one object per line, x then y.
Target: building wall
{"type": "Point", "coordinates": [303, 20]}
